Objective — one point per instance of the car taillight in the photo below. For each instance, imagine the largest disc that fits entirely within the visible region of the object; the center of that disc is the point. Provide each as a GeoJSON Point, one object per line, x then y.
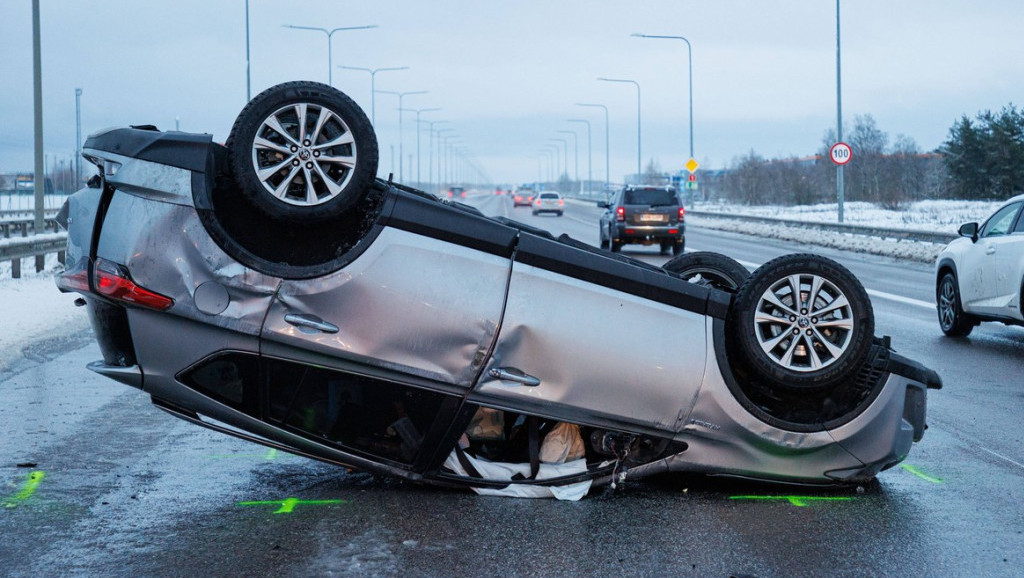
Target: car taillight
{"type": "Point", "coordinates": [560, 202]}
{"type": "Point", "coordinates": [113, 282]}
{"type": "Point", "coordinates": [620, 214]}
{"type": "Point", "coordinates": [682, 213]}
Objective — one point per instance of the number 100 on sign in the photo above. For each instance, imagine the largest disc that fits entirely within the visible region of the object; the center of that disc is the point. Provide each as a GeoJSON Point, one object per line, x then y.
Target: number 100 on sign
{"type": "Point", "coordinates": [841, 153]}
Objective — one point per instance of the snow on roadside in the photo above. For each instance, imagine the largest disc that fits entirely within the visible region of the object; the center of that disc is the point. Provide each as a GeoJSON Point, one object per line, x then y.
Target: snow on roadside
{"type": "Point", "coordinates": [933, 216]}
{"type": "Point", "coordinates": [32, 309]}
{"type": "Point", "coordinates": [898, 249]}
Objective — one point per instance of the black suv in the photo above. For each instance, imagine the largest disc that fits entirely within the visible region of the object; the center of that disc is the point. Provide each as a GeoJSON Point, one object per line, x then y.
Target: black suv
{"type": "Point", "coordinates": [645, 215]}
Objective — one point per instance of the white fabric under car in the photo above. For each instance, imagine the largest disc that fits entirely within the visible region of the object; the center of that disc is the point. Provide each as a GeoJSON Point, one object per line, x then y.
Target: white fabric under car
{"type": "Point", "coordinates": [499, 471]}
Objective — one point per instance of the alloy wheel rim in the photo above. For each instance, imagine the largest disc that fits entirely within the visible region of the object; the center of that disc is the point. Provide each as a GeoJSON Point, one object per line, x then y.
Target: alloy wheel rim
{"type": "Point", "coordinates": [304, 154]}
{"type": "Point", "coordinates": [804, 322]}
{"type": "Point", "coordinates": [947, 304]}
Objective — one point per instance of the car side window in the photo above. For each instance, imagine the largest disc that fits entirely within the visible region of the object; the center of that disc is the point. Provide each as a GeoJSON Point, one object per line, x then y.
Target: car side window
{"type": "Point", "coordinates": [1020, 224]}
{"type": "Point", "coordinates": [1000, 223]}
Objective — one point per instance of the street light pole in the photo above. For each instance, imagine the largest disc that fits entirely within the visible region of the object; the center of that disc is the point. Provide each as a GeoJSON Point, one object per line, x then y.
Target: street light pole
{"type": "Point", "coordinates": [330, 36]}
{"type": "Point", "coordinates": [418, 111]}
{"type": "Point", "coordinates": [551, 151]}
{"type": "Point", "coordinates": [607, 157]}
{"type": "Point", "coordinates": [565, 152]}
{"type": "Point", "coordinates": [637, 85]}
{"type": "Point", "coordinates": [37, 106]}
{"type": "Point", "coordinates": [839, 117]}
{"type": "Point", "coordinates": [373, 85]}
{"type": "Point", "coordinates": [689, 58]}
{"type": "Point", "coordinates": [78, 138]}
{"type": "Point", "coordinates": [430, 159]}
{"type": "Point", "coordinates": [248, 77]}
{"type": "Point", "coordinates": [401, 95]}
{"type": "Point", "coordinates": [575, 152]}
{"type": "Point", "coordinates": [590, 158]}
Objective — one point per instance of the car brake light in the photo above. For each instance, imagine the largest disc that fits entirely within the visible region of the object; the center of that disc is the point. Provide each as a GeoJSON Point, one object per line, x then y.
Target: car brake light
{"type": "Point", "coordinates": [560, 202]}
{"type": "Point", "coordinates": [113, 281]}
{"type": "Point", "coordinates": [682, 213]}
{"type": "Point", "coordinates": [620, 214]}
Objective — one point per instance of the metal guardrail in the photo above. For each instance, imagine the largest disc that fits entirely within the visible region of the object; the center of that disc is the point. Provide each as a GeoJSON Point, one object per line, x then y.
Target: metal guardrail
{"type": "Point", "coordinates": [24, 227]}
{"type": "Point", "coordinates": [38, 246]}
{"type": "Point", "coordinates": [882, 232]}
{"type": "Point", "coordinates": [15, 214]}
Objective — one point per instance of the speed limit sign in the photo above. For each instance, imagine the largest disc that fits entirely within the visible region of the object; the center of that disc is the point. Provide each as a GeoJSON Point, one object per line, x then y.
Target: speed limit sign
{"type": "Point", "coordinates": [841, 153]}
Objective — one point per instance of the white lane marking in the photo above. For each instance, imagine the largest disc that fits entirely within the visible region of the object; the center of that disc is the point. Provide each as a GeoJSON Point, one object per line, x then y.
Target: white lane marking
{"type": "Point", "coordinates": [901, 299]}
{"type": "Point", "coordinates": [872, 292]}
{"type": "Point", "coordinates": [1002, 457]}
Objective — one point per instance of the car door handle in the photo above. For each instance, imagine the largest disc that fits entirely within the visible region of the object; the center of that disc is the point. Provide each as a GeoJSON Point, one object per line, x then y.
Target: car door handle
{"type": "Point", "coordinates": [513, 374]}
{"type": "Point", "coordinates": [990, 250]}
{"type": "Point", "coordinates": [310, 323]}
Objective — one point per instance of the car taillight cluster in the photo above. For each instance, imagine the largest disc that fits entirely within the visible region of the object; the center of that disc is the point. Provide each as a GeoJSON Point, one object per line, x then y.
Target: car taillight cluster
{"type": "Point", "coordinates": [112, 281]}
{"type": "Point", "coordinates": [682, 213]}
{"type": "Point", "coordinates": [620, 214]}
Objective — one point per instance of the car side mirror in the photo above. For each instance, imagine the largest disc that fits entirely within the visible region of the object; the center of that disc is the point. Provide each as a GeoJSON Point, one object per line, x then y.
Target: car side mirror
{"type": "Point", "coordinates": [969, 230]}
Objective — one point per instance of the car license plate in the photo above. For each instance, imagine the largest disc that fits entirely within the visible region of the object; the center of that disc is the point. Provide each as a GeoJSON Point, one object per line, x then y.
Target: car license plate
{"type": "Point", "coordinates": [649, 218]}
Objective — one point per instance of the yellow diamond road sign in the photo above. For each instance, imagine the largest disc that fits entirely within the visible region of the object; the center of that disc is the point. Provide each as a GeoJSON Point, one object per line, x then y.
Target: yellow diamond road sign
{"type": "Point", "coordinates": [691, 165]}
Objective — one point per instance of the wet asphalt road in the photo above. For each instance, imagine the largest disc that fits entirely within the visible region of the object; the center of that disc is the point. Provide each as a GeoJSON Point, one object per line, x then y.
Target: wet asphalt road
{"type": "Point", "coordinates": [96, 481]}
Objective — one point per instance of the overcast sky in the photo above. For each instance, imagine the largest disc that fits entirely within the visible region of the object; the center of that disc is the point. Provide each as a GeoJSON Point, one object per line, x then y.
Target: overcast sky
{"type": "Point", "coordinates": [507, 75]}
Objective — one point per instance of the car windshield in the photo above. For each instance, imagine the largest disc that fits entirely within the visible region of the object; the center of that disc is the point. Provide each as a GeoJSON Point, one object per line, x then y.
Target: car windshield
{"type": "Point", "coordinates": [549, 195]}
{"type": "Point", "coordinates": [651, 197]}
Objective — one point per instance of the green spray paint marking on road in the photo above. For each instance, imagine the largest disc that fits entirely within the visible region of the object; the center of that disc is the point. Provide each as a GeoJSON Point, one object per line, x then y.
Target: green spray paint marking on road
{"type": "Point", "coordinates": [796, 500]}
{"type": "Point", "coordinates": [34, 479]}
{"type": "Point", "coordinates": [287, 505]}
{"type": "Point", "coordinates": [917, 472]}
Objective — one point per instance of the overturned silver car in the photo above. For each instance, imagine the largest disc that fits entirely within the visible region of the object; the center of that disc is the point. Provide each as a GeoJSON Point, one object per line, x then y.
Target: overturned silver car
{"type": "Point", "coordinates": [274, 289]}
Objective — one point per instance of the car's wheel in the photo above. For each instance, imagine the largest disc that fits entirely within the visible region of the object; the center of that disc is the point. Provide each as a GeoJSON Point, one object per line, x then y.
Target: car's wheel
{"type": "Point", "coordinates": [616, 246]}
{"type": "Point", "coordinates": [559, 213]}
{"type": "Point", "coordinates": [677, 249]}
{"type": "Point", "coordinates": [801, 322]}
{"type": "Point", "coordinates": [302, 153]}
{"type": "Point", "coordinates": [603, 240]}
{"type": "Point", "coordinates": [952, 319]}
{"type": "Point", "coordinates": [666, 247]}
{"type": "Point", "coordinates": [535, 213]}
{"type": "Point", "coordinates": [709, 269]}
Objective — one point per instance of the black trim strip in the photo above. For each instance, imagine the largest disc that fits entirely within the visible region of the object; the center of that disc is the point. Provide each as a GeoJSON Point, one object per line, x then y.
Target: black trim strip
{"type": "Point", "coordinates": [593, 267]}
{"type": "Point", "coordinates": [457, 224]}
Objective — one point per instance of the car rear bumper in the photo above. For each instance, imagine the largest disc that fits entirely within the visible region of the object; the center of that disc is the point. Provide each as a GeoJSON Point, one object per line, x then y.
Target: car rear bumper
{"type": "Point", "coordinates": [627, 233]}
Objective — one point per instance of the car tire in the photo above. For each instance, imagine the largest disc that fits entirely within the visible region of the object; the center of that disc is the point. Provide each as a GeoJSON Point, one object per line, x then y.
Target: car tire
{"type": "Point", "coordinates": [801, 322]}
{"type": "Point", "coordinates": [318, 179]}
{"type": "Point", "coordinates": [677, 249]}
{"type": "Point", "coordinates": [559, 214]}
{"type": "Point", "coordinates": [666, 247]}
{"type": "Point", "coordinates": [709, 269]}
{"type": "Point", "coordinates": [602, 239]}
{"type": "Point", "coordinates": [616, 246]}
{"type": "Point", "coordinates": [952, 319]}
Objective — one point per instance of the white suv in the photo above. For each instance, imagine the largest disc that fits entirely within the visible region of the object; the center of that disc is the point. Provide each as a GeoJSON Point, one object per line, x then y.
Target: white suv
{"type": "Point", "coordinates": [980, 276]}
